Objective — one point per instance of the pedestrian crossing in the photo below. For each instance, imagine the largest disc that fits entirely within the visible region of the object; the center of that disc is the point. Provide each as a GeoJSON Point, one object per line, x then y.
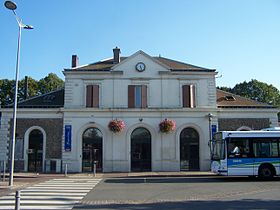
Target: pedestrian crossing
{"type": "Point", "coordinates": [52, 194]}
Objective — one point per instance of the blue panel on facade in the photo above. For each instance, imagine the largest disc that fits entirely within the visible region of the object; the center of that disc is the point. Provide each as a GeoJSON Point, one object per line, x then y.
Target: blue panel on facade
{"type": "Point", "coordinates": [214, 129]}
{"type": "Point", "coordinates": [67, 140]}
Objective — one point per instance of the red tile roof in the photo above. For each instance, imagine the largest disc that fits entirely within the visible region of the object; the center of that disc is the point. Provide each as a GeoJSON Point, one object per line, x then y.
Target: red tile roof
{"type": "Point", "coordinates": [229, 100]}
{"type": "Point", "coordinates": [173, 65]}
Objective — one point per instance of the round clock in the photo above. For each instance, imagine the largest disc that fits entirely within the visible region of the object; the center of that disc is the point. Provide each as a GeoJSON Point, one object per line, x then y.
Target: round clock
{"type": "Point", "coordinates": [140, 66]}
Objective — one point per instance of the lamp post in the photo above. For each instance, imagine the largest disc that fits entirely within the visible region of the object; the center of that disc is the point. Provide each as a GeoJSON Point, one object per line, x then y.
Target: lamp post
{"type": "Point", "coordinates": [210, 117]}
{"type": "Point", "coordinates": [12, 6]}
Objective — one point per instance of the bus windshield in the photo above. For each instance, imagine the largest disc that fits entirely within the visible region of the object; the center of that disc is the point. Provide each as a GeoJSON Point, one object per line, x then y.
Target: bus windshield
{"type": "Point", "coordinates": [217, 150]}
{"type": "Point", "coordinates": [217, 147]}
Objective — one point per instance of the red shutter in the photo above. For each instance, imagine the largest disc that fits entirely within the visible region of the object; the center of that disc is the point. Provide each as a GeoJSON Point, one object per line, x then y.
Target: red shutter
{"type": "Point", "coordinates": [89, 96]}
{"type": "Point", "coordinates": [186, 96]}
{"type": "Point", "coordinates": [144, 96]}
{"type": "Point", "coordinates": [131, 89]}
{"type": "Point", "coordinates": [95, 96]}
{"type": "Point", "coordinates": [192, 92]}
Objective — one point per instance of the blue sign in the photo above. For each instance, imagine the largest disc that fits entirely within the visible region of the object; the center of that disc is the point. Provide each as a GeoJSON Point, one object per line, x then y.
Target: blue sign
{"type": "Point", "coordinates": [214, 129]}
{"type": "Point", "coordinates": [67, 138]}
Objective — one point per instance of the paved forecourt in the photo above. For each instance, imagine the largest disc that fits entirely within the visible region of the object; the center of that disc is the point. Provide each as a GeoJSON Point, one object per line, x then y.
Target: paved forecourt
{"type": "Point", "coordinates": [53, 194]}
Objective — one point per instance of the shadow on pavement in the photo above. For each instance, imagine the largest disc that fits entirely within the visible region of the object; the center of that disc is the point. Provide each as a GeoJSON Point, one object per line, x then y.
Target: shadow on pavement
{"type": "Point", "coordinates": [193, 205]}
{"type": "Point", "coordinates": [184, 180]}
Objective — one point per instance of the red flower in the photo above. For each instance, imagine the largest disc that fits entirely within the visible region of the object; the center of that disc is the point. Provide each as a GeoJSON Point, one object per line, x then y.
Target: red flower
{"type": "Point", "coordinates": [167, 126]}
{"type": "Point", "coordinates": [116, 125]}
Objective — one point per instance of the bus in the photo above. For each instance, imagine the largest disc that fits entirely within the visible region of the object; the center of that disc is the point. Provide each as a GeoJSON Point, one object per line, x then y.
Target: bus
{"type": "Point", "coordinates": [246, 153]}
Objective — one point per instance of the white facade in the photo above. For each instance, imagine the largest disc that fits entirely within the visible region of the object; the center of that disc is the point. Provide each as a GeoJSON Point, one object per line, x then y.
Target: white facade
{"type": "Point", "coordinates": [164, 100]}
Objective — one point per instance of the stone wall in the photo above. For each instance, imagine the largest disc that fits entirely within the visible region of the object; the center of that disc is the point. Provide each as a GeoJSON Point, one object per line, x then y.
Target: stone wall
{"type": "Point", "coordinates": [232, 124]}
{"type": "Point", "coordinates": [53, 129]}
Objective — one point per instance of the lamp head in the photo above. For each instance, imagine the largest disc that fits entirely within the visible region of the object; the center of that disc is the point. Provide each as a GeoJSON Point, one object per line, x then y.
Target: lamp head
{"type": "Point", "coordinates": [210, 116]}
{"type": "Point", "coordinates": [28, 27]}
{"type": "Point", "coordinates": [10, 5]}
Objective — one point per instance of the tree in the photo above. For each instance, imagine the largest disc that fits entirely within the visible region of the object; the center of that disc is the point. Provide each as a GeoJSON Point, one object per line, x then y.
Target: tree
{"type": "Point", "coordinates": [258, 91]}
{"type": "Point", "coordinates": [6, 91]}
{"type": "Point", "coordinates": [32, 89]}
{"type": "Point", "coordinates": [49, 83]}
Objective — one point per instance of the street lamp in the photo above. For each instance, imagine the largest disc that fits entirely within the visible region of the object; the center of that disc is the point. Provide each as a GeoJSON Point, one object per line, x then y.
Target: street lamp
{"type": "Point", "coordinates": [210, 117]}
{"type": "Point", "coordinates": [12, 6]}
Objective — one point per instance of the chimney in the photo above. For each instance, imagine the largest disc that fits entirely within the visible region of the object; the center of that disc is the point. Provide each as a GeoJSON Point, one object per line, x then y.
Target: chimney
{"type": "Point", "coordinates": [117, 57]}
{"type": "Point", "coordinates": [25, 87]}
{"type": "Point", "coordinates": [75, 60]}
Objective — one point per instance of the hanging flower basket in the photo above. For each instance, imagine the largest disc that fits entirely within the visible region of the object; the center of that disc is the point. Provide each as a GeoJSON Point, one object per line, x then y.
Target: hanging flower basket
{"type": "Point", "coordinates": [116, 126]}
{"type": "Point", "coordinates": [167, 126]}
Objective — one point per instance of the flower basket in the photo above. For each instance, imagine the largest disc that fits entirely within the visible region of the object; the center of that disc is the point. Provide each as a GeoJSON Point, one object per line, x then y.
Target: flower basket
{"type": "Point", "coordinates": [167, 126]}
{"type": "Point", "coordinates": [116, 126]}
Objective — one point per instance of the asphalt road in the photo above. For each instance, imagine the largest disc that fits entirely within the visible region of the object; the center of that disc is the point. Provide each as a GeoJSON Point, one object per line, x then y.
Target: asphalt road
{"type": "Point", "coordinates": [193, 193]}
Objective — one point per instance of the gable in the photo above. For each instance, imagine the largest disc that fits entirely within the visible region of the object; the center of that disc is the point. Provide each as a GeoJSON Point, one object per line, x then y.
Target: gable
{"type": "Point", "coordinates": [151, 67]}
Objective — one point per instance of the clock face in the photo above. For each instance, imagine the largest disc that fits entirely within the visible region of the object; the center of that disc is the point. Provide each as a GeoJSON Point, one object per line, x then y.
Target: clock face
{"type": "Point", "coordinates": [140, 66]}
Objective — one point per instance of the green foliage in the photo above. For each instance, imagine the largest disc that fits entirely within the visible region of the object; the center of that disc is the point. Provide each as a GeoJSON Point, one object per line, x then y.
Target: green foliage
{"type": "Point", "coordinates": [6, 91]}
{"type": "Point", "coordinates": [49, 83]}
{"type": "Point", "coordinates": [258, 91]}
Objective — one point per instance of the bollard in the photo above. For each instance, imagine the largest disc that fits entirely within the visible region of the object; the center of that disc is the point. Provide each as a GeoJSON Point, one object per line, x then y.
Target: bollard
{"type": "Point", "coordinates": [4, 170]}
{"type": "Point", "coordinates": [94, 168]}
{"type": "Point", "coordinates": [65, 170]}
{"type": "Point", "coordinates": [17, 204]}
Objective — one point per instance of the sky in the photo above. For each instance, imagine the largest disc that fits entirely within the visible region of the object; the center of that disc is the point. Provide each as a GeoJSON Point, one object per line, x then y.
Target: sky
{"type": "Point", "coordinates": [238, 38]}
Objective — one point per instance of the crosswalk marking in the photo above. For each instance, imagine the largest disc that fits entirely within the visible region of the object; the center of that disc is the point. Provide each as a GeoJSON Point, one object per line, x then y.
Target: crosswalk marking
{"type": "Point", "coordinates": [52, 194]}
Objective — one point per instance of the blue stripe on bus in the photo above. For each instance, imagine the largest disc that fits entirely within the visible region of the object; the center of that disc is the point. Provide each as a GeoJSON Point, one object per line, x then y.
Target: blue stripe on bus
{"type": "Point", "coordinates": [251, 162]}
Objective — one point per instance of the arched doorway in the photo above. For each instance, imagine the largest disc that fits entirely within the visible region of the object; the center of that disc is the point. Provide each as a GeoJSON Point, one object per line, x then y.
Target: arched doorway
{"type": "Point", "coordinates": [35, 151]}
{"type": "Point", "coordinates": [92, 150]}
{"type": "Point", "coordinates": [189, 150]}
{"type": "Point", "coordinates": [141, 150]}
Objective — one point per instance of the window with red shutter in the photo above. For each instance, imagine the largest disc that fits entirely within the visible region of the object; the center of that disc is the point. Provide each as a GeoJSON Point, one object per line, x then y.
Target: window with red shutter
{"type": "Point", "coordinates": [95, 96]}
{"type": "Point", "coordinates": [89, 96]}
{"type": "Point", "coordinates": [144, 96]}
{"type": "Point", "coordinates": [92, 96]}
{"type": "Point", "coordinates": [188, 95]}
{"type": "Point", "coordinates": [137, 96]}
{"type": "Point", "coordinates": [131, 96]}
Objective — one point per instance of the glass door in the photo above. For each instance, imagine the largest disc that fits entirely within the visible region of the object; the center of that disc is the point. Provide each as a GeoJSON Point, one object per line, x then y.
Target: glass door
{"type": "Point", "coordinates": [141, 150]}
{"type": "Point", "coordinates": [189, 150]}
{"type": "Point", "coordinates": [35, 151]}
{"type": "Point", "coordinates": [92, 150]}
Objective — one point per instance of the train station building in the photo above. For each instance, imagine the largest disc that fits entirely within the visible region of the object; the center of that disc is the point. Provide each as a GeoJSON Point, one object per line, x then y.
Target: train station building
{"type": "Point", "coordinates": [126, 114]}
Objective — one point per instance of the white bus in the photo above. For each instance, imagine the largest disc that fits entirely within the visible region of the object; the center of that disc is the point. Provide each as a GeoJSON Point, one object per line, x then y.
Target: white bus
{"type": "Point", "coordinates": [246, 153]}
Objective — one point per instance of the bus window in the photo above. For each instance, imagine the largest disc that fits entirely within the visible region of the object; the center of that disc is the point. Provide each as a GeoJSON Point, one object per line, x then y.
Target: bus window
{"type": "Point", "coordinates": [238, 148]}
{"type": "Point", "coordinates": [265, 148]}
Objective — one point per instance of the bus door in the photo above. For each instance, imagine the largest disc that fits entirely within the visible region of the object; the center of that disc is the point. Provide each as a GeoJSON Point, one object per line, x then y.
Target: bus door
{"type": "Point", "coordinates": [240, 160]}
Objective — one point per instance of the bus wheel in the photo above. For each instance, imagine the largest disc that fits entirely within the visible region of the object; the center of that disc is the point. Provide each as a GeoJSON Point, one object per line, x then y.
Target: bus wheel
{"type": "Point", "coordinates": [266, 172]}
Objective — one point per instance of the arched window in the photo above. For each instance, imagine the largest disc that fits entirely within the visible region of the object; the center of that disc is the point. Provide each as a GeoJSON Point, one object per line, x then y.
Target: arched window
{"type": "Point", "coordinates": [92, 150]}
